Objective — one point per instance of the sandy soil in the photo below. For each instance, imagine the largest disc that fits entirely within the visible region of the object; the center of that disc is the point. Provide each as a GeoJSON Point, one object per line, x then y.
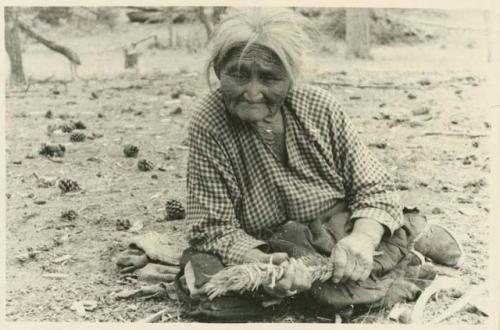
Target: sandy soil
{"type": "Point", "coordinates": [445, 176]}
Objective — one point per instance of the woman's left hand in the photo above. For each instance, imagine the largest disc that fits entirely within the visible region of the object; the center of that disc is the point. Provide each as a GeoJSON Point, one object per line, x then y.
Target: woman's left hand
{"type": "Point", "coordinates": [353, 258]}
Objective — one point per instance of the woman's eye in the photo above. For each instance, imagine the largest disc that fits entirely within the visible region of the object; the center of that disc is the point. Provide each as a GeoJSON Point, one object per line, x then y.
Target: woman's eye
{"type": "Point", "coordinates": [237, 75]}
{"type": "Point", "coordinates": [270, 77]}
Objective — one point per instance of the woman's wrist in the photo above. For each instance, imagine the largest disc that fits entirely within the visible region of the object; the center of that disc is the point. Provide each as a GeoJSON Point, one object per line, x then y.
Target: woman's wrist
{"type": "Point", "coordinates": [370, 229]}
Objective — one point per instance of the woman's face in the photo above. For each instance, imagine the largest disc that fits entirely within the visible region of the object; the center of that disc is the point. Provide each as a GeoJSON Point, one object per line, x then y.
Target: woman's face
{"type": "Point", "coordinates": [255, 86]}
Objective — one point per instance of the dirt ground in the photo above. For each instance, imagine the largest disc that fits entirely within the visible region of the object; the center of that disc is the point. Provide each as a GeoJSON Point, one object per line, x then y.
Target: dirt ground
{"type": "Point", "coordinates": [422, 109]}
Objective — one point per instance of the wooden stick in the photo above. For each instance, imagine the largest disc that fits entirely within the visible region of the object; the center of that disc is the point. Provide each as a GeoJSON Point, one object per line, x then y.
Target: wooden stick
{"type": "Point", "coordinates": [154, 318]}
{"type": "Point", "coordinates": [341, 84]}
{"type": "Point", "coordinates": [135, 43]}
{"type": "Point", "coordinates": [464, 134]}
{"type": "Point", "coordinates": [55, 275]}
{"type": "Point", "coordinates": [55, 160]}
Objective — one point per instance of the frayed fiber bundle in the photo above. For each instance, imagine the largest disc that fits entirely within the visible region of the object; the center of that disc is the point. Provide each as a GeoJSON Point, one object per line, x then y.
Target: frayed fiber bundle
{"type": "Point", "coordinates": [249, 277]}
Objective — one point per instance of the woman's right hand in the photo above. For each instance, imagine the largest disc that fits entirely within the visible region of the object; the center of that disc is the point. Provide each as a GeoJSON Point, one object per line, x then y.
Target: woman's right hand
{"type": "Point", "coordinates": [297, 276]}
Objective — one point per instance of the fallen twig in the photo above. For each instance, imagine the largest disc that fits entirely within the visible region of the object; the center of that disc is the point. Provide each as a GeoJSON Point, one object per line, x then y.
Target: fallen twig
{"type": "Point", "coordinates": [55, 160]}
{"type": "Point", "coordinates": [44, 80]}
{"type": "Point", "coordinates": [464, 134]}
{"type": "Point", "coordinates": [154, 318]}
{"type": "Point", "coordinates": [147, 291]}
{"type": "Point", "coordinates": [55, 275]}
{"type": "Point", "coordinates": [343, 84]}
{"type": "Point", "coordinates": [62, 259]}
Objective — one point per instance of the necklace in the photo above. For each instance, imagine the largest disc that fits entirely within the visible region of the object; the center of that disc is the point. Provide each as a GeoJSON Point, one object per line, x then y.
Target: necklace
{"type": "Point", "coordinates": [271, 131]}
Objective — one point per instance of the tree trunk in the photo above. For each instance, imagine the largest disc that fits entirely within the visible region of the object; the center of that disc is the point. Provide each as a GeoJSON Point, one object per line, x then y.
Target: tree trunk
{"type": "Point", "coordinates": [170, 35]}
{"type": "Point", "coordinates": [13, 48]}
{"type": "Point", "coordinates": [169, 17]}
{"type": "Point", "coordinates": [358, 33]}
{"type": "Point", "coordinates": [200, 11]}
{"type": "Point", "coordinates": [66, 52]}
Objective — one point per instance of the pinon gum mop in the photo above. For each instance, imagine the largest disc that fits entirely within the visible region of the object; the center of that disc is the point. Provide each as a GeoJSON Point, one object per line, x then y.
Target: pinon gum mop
{"type": "Point", "coordinates": [251, 276]}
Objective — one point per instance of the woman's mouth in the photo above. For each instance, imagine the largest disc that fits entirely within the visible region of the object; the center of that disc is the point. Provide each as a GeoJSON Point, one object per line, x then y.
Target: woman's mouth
{"type": "Point", "coordinates": [252, 103]}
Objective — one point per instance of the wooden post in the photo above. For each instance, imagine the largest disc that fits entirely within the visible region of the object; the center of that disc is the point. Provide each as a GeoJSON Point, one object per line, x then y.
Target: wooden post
{"type": "Point", "coordinates": [131, 57]}
{"type": "Point", "coordinates": [170, 34]}
{"type": "Point", "coordinates": [169, 14]}
{"type": "Point", "coordinates": [358, 33]}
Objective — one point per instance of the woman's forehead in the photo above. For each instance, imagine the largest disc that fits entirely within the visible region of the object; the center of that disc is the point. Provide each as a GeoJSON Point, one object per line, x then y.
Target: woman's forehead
{"type": "Point", "coordinates": [255, 53]}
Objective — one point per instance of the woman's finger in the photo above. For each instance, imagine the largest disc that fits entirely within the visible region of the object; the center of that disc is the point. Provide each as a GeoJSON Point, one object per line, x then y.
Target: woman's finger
{"type": "Point", "coordinates": [339, 262]}
{"type": "Point", "coordinates": [279, 257]}
{"type": "Point", "coordinates": [283, 286]}
{"type": "Point", "coordinates": [289, 271]}
{"type": "Point", "coordinates": [349, 269]}
{"type": "Point", "coordinates": [365, 274]}
{"type": "Point", "coordinates": [357, 272]}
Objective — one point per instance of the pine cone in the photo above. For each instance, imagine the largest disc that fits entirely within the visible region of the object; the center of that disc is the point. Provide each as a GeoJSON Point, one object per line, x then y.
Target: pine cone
{"type": "Point", "coordinates": [67, 127]}
{"type": "Point", "coordinates": [177, 111]}
{"type": "Point", "coordinates": [175, 210]}
{"type": "Point", "coordinates": [80, 125]}
{"type": "Point", "coordinates": [52, 150]}
{"type": "Point", "coordinates": [77, 137]}
{"type": "Point", "coordinates": [145, 165]}
{"type": "Point", "coordinates": [123, 224]}
{"type": "Point", "coordinates": [169, 154]}
{"type": "Point", "coordinates": [69, 215]}
{"type": "Point", "coordinates": [68, 185]}
{"type": "Point", "coordinates": [130, 150]}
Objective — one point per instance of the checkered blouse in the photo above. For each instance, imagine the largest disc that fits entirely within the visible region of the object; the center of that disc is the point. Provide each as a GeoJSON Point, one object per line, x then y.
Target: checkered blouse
{"type": "Point", "coordinates": [237, 186]}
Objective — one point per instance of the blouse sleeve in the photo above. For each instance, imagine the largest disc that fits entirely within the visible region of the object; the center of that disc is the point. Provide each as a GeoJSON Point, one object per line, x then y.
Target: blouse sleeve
{"type": "Point", "coordinates": [213, 195]}
{"type": "Point", "coordinates": [370, 190]}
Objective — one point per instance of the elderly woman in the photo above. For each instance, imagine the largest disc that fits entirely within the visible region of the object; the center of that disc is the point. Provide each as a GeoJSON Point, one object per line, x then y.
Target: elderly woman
{"type": "Point", "coordinates": [277, 171]}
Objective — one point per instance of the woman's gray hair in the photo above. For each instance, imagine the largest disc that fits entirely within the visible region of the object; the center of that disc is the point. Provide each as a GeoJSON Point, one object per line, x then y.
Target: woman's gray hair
{"type": "Point", "coordinates": [281, 30]}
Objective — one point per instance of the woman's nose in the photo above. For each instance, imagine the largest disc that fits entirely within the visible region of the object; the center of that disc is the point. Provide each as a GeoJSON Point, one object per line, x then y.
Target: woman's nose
{"type": "Point", "coordinates": [253, 91]}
